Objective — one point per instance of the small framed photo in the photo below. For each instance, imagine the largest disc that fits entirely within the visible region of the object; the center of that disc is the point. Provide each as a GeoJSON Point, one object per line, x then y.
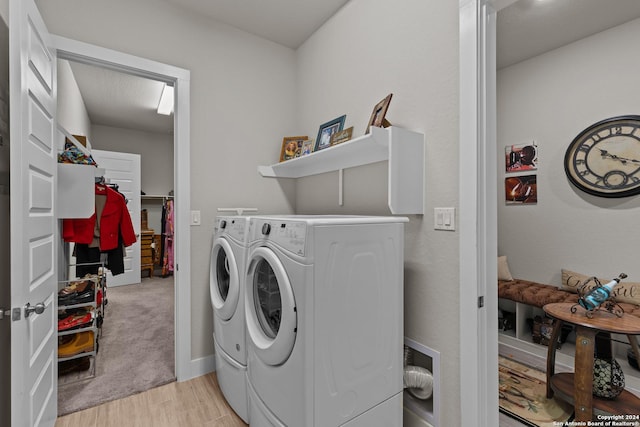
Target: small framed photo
{"type": "Point", "coordinates": [521, 190]}
{"type": "Point", "coordinates": [378, 114]}
{"type": "Point", "coordinates": [291, 147]}
{"type": "Point", "coordinates": [341, 136]}
{"type": "Point", "coordinates": [307, 147]}
{"type": "Point", "coordinates": [326, 131]}
{"type": "Point", "coordinates": [522, 157]}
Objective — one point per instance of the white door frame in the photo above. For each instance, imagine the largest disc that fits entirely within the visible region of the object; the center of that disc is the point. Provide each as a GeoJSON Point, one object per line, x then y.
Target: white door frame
{"type": "Point", "coordinates": [106, 58]}
{"type": "Point", "coordinates": [478, 214]}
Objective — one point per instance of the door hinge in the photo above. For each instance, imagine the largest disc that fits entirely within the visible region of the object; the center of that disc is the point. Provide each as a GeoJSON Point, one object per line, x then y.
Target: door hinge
{"type": "Point", "coordinates": [480, 301]}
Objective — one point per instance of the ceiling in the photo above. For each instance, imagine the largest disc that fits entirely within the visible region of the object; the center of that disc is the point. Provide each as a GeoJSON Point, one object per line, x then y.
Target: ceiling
{"type": "Point", "coordinates": [525, 29]}
{"type": "Point", "coordinates": [528, 28]}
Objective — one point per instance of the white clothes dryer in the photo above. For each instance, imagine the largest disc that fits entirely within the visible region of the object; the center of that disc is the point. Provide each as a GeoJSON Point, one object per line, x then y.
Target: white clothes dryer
{"type": "Point", "coordinates": [324, 309]}
{"type": "Point", "coordinates": [226, 286]}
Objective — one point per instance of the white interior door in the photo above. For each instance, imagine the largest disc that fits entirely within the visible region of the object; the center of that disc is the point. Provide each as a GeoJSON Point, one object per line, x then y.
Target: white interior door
{"type": "Point", "coordinates": [34, 230]}
{"type": "Point", "coordinates": [124, 169]}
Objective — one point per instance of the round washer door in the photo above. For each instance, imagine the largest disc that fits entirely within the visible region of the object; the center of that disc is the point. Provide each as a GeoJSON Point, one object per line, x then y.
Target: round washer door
{"type": "Point", "coordinates": [270, 307]}
{"type": "Point", "coordinates": [224, 281]}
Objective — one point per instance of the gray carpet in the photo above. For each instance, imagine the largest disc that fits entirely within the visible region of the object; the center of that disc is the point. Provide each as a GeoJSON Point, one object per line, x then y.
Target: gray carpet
{"type": "Point", "coordinates": [136, 349]}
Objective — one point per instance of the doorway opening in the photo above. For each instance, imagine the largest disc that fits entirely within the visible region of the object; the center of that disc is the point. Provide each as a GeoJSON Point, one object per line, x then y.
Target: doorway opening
{"type": "Point", "coordinates": [174, 186]}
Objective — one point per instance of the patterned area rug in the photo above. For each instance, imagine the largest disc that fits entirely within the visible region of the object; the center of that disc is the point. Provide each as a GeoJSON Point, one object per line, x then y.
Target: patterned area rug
{"type": "Point", "coordinates": [522, 395]}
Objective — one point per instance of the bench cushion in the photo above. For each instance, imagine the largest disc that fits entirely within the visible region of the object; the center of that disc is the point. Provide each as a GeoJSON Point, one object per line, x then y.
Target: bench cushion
{"type": "Point", "coordinates": [538, 294]}
{"type": "Point", "coordinates": [532, 293]}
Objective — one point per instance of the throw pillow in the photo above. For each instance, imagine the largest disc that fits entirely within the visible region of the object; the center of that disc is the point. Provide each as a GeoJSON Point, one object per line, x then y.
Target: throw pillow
{"type": "Point", "coordinates": [628, 292]}
{"type": "Point", "coordinates": [503, 269]}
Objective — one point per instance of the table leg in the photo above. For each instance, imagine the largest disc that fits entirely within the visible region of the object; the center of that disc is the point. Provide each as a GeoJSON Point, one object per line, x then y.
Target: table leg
{"type": "Point", "coordinates": [583, 373]}
{"type": "Point", "coordinates": [551, 354]}
{"type": "Point", "coordinates": [634, 346]}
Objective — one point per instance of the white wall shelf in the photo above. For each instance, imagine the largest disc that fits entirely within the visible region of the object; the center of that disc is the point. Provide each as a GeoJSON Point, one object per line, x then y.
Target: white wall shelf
{"type": "Point", "coordinates": [402, 148]}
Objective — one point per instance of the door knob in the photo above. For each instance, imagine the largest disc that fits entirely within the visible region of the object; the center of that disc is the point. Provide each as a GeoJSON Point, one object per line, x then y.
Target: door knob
{"type": "Point", "coordinates": [38, 309]}
{"type": "Point", "coordinates": [5, 314]}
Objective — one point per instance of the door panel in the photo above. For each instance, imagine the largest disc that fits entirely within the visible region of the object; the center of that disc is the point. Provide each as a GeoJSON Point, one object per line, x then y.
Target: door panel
{"type": "Point", "coordinates": [123, 169]}
{"type": "Point", "coordinates": [33, 221]}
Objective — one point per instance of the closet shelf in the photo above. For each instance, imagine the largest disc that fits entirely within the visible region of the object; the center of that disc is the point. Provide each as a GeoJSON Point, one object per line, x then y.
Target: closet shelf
{"type": "Point", "coordinates": [402, 148]}
{"type": "Point", "coordinates": [75, 186]}
{"type": "Point", "coordinates": [91, 327]}
{"type": "Point", "coordinates": [78, 356]}
{"type": "Point", "coordinates": [155, 196]}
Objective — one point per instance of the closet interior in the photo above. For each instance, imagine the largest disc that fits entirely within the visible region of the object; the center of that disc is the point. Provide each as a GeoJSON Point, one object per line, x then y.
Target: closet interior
{"type": "Point", "coordinates": [96, 229]}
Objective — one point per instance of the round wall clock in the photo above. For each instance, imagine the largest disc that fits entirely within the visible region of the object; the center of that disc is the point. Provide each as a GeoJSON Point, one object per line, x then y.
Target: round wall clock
{"type": "Point", "coordinates": [604, 159]}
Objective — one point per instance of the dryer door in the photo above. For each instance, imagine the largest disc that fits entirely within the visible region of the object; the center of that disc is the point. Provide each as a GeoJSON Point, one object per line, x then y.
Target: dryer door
{"type": "Point", "coordinates": [270, 307]}
{"type": "Point", "coordinates": [224, 281]}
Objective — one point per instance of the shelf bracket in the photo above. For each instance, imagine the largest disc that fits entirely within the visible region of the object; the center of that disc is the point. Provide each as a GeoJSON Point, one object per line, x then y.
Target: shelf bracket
{"type": "Point", "coordinates": [340, 187]}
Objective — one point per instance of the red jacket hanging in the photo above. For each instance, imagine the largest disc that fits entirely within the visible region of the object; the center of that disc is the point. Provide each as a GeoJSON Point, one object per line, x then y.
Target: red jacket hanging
{"type": "Point", "coordinates": [114, 219]}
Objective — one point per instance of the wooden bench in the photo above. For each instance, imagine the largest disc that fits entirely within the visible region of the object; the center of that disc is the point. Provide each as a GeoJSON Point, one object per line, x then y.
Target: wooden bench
{"type": "Point", "coordinates": [538, 294]}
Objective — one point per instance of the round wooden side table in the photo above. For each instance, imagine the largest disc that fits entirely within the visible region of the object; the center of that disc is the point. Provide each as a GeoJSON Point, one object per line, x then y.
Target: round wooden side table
{"type": "Point", "coordinates": [577, 388]}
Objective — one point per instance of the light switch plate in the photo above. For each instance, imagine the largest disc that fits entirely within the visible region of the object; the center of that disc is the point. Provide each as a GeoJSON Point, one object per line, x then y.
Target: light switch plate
{"type": "Point", "coordinates": [444, 219]}
{"type": "Point", "coordinates": [195, 217]}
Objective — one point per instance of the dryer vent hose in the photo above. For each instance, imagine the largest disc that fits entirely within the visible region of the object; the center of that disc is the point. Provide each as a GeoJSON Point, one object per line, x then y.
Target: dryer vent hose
{"type": "Point", "coordinates": [417, 380]}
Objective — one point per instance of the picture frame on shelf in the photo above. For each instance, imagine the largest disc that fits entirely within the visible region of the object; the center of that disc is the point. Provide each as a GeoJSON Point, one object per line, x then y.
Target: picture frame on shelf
{"type": "Point", "coordinates": [378, 114]}
{"type": "Point", "coordinates": [326, 130]}
{"type": "Point", "coordinates": [291, 147]}
{"type": "Point", "coordinates": [341, 136]}
{"type": "Point", "coordinates": [307, 147]}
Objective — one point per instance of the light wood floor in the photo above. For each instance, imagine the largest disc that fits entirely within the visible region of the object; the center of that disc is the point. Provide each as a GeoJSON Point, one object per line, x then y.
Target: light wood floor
{"type": "Point", "coordinates": [198, 402]}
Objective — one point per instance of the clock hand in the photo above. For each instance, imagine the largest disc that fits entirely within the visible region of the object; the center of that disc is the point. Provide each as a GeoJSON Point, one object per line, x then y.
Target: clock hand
{"type": "Point", "coordinates": [605, 153]}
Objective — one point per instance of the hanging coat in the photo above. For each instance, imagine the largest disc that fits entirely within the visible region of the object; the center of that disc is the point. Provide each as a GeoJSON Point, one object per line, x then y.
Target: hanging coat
{"type": "Point", "coordinates": [115, 219]}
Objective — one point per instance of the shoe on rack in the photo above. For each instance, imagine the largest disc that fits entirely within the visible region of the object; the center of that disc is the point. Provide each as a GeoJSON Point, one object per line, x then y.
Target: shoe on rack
{"type": "Point", "coordinates": [74, 287]}
{"type": "Point", "coordinates": [75, 321]}
{"type": "Point", "coordinates": [68, 366]}
{"type": "Point", "coordinates": [77, 297]}
{"type": "Point", "coordinates": [70, 345]}
{"type": "Point", "coordinates": [86, 296]}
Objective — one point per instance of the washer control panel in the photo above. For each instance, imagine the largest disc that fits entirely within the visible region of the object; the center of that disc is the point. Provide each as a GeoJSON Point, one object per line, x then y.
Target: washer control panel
{"type": "Point", "coordinates": [289, 235]}
{"type": "Point", "coordinates": [233, 227]}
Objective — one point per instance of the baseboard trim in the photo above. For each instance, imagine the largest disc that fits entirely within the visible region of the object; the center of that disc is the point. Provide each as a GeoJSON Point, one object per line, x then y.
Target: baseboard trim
{"type": "Point", "coordinates": [201, 366]}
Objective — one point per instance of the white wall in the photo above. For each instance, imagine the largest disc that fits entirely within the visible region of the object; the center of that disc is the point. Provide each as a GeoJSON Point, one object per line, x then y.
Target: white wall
{"type": "Point", "coordinates": [72, 113]}
{"type": "Point", "coordinates": [551, 98]}
{"type": "Point", "coordinates": [155, 149]}
{"type": "Point", "coordinates": [409, 48]}
{"type": "Point", "coordinates": [242, 95]}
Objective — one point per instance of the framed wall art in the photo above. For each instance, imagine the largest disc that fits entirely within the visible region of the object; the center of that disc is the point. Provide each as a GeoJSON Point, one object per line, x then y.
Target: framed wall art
{"type": "Point", "coordinates": [291, 147]}
{"type": "Point", "coordinates": [378, 114]}
{"type": "Point", "coordinates": [522, 157]}
{"type": "Point", "coordinates": [521, 190]}
{"type": "Point", "coordinates": [326, 130]}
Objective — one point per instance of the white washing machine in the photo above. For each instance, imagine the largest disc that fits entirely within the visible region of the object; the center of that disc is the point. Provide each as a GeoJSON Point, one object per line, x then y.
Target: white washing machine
{"type": "Point", "coordinates": [324, 308]}
{"type": "Point", "coordinates": [226, 285]}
